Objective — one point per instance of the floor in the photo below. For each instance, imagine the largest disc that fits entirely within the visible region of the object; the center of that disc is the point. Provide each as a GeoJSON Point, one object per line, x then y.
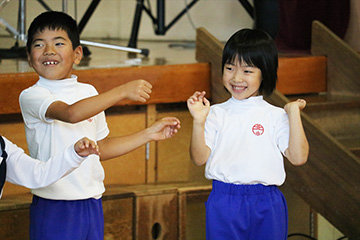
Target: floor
{"type": "Point", "coordinates": [160, 53]}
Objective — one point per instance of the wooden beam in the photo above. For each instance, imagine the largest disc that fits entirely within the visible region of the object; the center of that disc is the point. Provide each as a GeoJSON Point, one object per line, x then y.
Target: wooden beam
{"type": "Point", "coordinates": [301, 75]}
{"type": "Point", "coordinates": [171, 83]}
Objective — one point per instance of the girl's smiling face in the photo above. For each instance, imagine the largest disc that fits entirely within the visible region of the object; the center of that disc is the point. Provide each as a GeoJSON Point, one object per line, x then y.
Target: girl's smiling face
{"type": "Point", "coordinates": [241, 80]}
{"type": "Point", "coordinates": [52, 55]}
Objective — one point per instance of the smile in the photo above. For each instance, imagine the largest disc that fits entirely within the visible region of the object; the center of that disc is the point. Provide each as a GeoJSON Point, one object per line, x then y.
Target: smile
{"type": "Point", "coordinates": [238, 88]}
{"type": "Point", "coordinates": [50, 63]}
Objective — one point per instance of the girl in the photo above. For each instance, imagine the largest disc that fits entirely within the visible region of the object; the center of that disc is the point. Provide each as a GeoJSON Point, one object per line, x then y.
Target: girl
{"type": "Point", "coordinates": [242, 141]}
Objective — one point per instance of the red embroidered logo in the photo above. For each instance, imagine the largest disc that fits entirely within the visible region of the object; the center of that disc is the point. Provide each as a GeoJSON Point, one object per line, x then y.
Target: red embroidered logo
{"type": "Point", "coordinates": [90, 120]}
{"type": "Point", "coordinates": [258, 129]}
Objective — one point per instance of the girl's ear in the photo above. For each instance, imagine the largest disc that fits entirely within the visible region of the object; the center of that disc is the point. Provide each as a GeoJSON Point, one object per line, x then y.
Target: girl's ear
{"type": "Point", "coordinates": [78, 52]}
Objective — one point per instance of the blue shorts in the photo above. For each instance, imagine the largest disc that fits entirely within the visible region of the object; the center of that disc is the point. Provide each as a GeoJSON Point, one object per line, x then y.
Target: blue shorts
{"type": "Point", "coordinates": [60, 220]}
{"type": "Point", "coordinates": [253, 212]}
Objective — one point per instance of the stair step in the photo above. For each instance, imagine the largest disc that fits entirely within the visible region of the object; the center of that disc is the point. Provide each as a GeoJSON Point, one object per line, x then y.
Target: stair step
{"type": "Point", "coordinates": [338, 115]}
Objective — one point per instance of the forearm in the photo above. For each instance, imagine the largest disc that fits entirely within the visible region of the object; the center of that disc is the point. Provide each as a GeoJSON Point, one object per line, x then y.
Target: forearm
{"type": "Point", "coordinates": [199, 152]}
{"type": "Point", "coordinates": [298, 150]}
{"type": "Point", "coordinates": [117, 146]}
{"type": "Point", "coordinates": [85, 108]}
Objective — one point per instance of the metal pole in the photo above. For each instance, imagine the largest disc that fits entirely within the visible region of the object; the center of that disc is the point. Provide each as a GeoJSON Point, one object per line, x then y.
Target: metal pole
{"type": "Point", "coordinates": [65, 6]}
{"type": "Point", "coordinates": [160, 17]}
{"type": "Point", "coordinates": [22, 21]}
{"type": "Point", "coordinates": [144, 52]}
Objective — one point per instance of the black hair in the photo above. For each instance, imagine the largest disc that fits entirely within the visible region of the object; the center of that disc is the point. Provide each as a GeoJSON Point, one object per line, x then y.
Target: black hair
{"type": "Point", "coordinates": [255, 48]}
{"type": "Point", "coordinates": [53, 20]}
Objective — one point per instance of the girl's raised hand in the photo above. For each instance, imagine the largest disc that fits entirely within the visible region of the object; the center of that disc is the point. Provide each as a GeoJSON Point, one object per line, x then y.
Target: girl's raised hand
{"type": "Point", "coordinates": [295, 105]}
{"type": "Point", "coordinates": [198, 106]}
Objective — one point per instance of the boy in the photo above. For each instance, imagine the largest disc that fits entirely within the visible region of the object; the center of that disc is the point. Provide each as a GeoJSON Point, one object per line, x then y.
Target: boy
{"type": "Point", "coordinates": [18, 168]}
{"type": "Point", "coordinates": [58, 109]}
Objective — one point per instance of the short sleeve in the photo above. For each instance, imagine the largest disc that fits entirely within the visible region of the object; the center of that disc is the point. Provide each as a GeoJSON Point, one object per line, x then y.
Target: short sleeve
{"type": "Point", "coordinates": [34, 103]}
{"type": "Point", "coordinates": [283, 132]}
{"type": "Point", "coordinates": [211, 129]}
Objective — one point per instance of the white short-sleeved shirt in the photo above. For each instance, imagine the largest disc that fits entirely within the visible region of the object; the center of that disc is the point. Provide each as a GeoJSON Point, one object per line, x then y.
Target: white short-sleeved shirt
{"type": "Point", "coordinates": [32, 173]}
{"type": "Point", "coordinates": [46, 137]}
{"type": "Point", "coordinates": [247, 138]}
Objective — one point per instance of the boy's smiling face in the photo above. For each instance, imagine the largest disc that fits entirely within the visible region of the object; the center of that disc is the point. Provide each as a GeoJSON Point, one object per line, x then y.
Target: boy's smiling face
{"type": "Point", "coordinates": [52, 55]}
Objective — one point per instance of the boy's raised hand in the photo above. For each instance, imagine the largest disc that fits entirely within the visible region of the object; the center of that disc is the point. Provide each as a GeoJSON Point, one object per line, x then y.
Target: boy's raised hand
{"type": "Point", "coordinates": [198, 106]}
{"type": "Point", "coordinates": [85, 147]}
{"type": "Point", "coordinates": [137, 90]}
{"type": "Point", "coordinates": [164, 128]}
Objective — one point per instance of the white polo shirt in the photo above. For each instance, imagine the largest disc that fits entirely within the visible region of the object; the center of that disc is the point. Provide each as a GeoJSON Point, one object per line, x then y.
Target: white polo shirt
{"type": "Point", "coordinates": [247, 138]}
{"type": "Point", "coordinates": [46, 137]}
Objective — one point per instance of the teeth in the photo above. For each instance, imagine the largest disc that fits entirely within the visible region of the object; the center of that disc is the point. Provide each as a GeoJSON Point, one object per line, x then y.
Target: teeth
{"type": "Point", "coordinates": [50, 63]}
{"type": "Point", "coordinates": [238, 88]}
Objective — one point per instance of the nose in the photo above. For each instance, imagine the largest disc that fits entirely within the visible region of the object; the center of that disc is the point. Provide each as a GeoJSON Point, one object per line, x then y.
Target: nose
{"type": "Point", "coordinates": [238, 77]}
{"type": "Point", "coordinates": [49, 50]}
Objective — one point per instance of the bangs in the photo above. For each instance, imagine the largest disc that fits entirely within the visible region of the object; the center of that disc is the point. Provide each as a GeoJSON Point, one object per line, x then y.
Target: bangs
{"type": "Point", "coordinates": [254, 48]}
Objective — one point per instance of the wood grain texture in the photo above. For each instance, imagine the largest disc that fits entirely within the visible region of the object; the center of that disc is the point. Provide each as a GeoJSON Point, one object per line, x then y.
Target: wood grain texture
{"type": "Point", "coordinates": [342, 61]}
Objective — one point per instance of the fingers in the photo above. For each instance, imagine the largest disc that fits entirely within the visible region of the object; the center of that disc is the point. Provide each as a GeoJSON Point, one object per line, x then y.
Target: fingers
{"type": "Point", "coordinates": [85, 147]}
{"type": "Point", "coordinates": [138, 90]}
{"type": "Point", "coordinates": [302, 103]}
{"type": "Point", "coordinates": [197, 96]}
{"type": "Point", "coordinates": [299, 104]}
{"type": "Point", "coordinates": [171, 121]}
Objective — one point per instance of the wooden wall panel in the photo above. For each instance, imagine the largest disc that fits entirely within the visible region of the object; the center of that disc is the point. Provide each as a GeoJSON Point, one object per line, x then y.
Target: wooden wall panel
{"type": "Point", "coordinates": [173, 159]}
{"type": "Point", "coordinates": [118, 218]}
{"type": "Point", "coordinates": [14, 224]}
{"type": "Point", "coordinates": [157, 216]}
{"type": "Point", "coordinates": [129, 168]}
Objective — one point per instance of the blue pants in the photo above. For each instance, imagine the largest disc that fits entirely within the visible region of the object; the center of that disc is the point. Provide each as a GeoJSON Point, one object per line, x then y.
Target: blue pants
{"type": "Point", "coordinates": [66, 220]}
{"type": "Point", "coordinates": [246, 212]}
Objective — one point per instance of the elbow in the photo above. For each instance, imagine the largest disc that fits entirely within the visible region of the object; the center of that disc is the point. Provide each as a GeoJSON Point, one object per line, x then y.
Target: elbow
{"type": "Point", "coordinates": [72, 117]}
{"type": "Point", "coordinates": [299, 158]}
{"type": "Point", "coordinates": [197, 161]}
{"type": "Point", "coordinates": [300, 161]}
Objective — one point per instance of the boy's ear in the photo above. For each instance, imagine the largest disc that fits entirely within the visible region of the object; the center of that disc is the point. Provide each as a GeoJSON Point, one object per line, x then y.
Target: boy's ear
{"type": "Point", "coordinates": [28, 58]}
{"type": "Point", "coordinates": [78, 51]}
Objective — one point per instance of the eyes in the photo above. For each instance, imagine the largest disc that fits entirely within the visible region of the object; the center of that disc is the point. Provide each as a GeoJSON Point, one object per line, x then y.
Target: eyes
{"type": "Point", "coordinates": [245, 69]}
{"type": "Point", "coordinates": [40, 44]}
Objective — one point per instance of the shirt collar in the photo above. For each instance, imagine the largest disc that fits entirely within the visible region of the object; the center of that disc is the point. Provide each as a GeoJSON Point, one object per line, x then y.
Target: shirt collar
{"type": "Point", "coordinates": [58, 85]}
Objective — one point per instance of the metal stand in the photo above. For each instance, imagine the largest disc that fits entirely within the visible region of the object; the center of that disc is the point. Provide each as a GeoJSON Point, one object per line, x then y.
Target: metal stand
{"type": "Point", "coordinates": [20, 34]}
{"type": "Point", "coordinates": [158, 22]}
{"type": "Point", "coordinates": [16, 51]}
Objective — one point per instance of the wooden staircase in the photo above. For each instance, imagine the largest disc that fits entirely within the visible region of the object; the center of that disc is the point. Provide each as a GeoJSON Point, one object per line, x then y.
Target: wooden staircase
{"type": "Point", "coordinates": [330, 181]}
